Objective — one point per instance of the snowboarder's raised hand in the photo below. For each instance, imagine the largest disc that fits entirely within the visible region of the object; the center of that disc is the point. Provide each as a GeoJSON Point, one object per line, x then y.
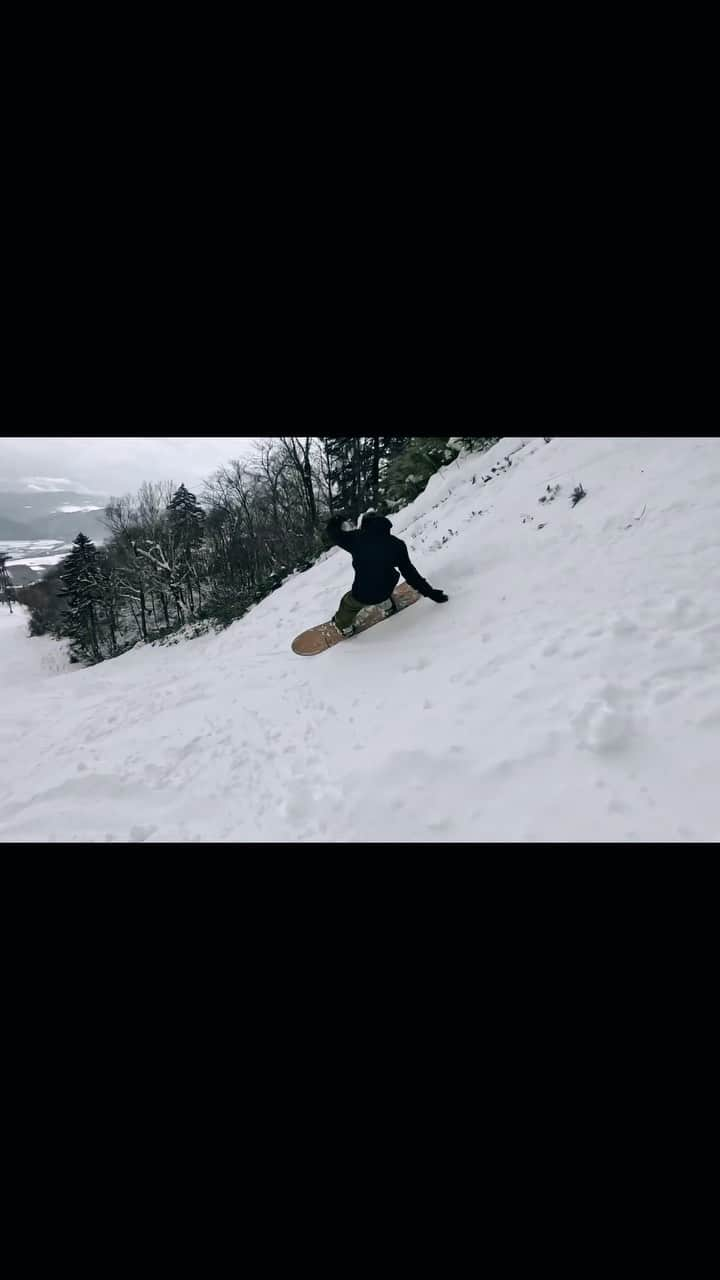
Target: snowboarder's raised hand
{"type": "Point", "coordinates": [438, 596]}
{"type": "Point", "coordinates": [338, 527]}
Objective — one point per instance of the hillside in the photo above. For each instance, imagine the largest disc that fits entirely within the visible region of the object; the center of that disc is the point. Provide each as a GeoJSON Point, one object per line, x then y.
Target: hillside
{"type": "Point", "coordinates": [570, 689]}
{"type": "Point", "coordinates": [11, 529]}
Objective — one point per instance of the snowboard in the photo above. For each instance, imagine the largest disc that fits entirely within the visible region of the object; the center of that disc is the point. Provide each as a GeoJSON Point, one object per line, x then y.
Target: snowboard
{"type": "Point", "coordinates": [317, 639]}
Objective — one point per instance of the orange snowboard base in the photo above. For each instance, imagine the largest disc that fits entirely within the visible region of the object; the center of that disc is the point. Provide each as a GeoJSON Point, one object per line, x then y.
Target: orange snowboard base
{"type": "Point", "coordinates": [317, 639]}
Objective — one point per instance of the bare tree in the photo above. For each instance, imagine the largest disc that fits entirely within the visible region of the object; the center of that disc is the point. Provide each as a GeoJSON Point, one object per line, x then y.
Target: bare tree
{"type": "Point", "coordinates": [298, 451]}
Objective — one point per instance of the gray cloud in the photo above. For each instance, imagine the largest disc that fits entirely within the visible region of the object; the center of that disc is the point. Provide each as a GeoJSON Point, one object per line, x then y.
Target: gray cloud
{"type": "Point", "coordinates": [113, 464]}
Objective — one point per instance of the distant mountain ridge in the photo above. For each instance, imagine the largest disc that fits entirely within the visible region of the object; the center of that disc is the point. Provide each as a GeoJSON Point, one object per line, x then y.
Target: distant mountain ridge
{"type": "Point", "coordinates": [32, 515]}
{"type": "Point", "coordinates": [11, 528]}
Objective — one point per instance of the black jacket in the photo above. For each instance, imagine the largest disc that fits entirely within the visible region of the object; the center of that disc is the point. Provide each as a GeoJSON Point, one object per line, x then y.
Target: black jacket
{"type": "Point", "coordinates": [376, 558]}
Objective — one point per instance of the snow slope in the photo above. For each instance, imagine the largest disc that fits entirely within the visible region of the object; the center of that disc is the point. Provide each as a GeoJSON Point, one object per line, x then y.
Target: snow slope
{"type": "Point", "coordinates": [569, 690]}
{"type": "Point", "coordinates": [23, 663]}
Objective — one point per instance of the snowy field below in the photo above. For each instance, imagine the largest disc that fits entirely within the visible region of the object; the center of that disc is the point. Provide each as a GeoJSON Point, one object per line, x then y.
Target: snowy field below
{"type": "Point", "coordinates": [570, 689]}
{"type": "Point", "coordinates": [37, 553]}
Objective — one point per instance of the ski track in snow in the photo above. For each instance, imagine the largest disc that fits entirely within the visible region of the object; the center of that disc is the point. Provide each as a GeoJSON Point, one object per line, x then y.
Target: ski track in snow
{"type": "Point", "coordinates": [570, 690]}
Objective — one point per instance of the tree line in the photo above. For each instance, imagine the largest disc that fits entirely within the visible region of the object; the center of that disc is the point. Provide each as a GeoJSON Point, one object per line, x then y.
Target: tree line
{"type": "Point", "coordinates": [172, 559]}
{"type": "Point", "coordinates": [7, 592]}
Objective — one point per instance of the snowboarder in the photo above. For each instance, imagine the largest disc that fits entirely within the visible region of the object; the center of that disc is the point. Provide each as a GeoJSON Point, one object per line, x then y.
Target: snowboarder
{"type": "Point", "coordinates": [377, 556]}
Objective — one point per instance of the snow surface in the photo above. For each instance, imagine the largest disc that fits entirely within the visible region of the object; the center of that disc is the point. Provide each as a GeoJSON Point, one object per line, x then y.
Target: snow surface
{"type": "Point", "coordinates": [29, 544]}
{"type": "Point", "coordinates": [38, 562]}
{"type": "Point", "coordinates": [22, 663]}
{"type": "Point", "coordinates": [570, 689]}
{"type": "Point", "coordinates": [34, 553]}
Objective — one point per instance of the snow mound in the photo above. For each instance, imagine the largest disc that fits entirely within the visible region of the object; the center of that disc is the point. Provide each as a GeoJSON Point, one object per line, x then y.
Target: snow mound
{"type": "Point", "coordinates": [570, 689]}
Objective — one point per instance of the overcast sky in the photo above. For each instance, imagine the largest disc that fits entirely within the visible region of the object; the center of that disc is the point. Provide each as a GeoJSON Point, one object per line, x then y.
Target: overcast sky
{"type": "Point", "coordinates": [113, 465]}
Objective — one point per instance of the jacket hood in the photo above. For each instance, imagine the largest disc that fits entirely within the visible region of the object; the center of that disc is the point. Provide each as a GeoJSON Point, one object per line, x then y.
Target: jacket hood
{"type": "Point", "coordinates": [375, 525]}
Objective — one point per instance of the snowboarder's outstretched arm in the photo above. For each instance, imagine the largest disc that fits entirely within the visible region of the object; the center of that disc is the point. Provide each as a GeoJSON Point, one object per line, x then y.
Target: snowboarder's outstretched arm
{"type": "Point", "coordinates": [340, 536]}
{"type": "Point", "coordinates": [413, 578]}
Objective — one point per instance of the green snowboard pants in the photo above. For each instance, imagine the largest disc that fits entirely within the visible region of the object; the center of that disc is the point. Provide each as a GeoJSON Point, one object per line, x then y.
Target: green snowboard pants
{"type": "Point", "coordinates": [348, 611]}
{"type": "Point", "coordinates": [350, 608]}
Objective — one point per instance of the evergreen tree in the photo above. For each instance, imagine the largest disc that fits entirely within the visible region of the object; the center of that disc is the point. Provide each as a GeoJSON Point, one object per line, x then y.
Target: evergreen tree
{"type": "Point", "coordinates": [82, 590]}
{"type": "Point", "coordinates": [409, 472]}
{"type": "Point", "coordinates": [186, 522]}
{"type": "Point", "coordinates": [186, 517]}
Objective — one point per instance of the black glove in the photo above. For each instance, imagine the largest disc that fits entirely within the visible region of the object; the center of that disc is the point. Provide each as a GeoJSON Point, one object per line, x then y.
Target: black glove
{"type": "Point", "coordinates": [339, 519]}
{"type": "Point", "coordinates": [334, 527]}
{"type": "Point", "coordinates": [438, 596]}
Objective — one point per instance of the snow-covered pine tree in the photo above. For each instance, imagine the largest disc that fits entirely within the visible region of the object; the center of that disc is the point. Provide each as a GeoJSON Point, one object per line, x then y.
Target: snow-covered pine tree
{"type": "Point", "coordinates": [186, 515]}
{"type": "Point", "coordinates": [186, 522]}
{"type": "Point", "coordinates": [82, 590]}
